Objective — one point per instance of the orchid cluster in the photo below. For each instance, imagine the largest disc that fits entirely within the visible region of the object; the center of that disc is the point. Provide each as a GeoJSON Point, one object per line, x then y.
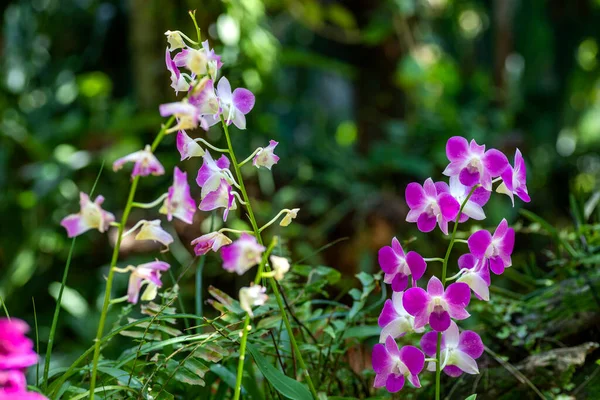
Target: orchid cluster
{"type": "Point", "coordinates": [472, 171]}
{"type": "Point", "coordinates": [209, 99]}
{"type": "Point", "coordinates": [16, 355]}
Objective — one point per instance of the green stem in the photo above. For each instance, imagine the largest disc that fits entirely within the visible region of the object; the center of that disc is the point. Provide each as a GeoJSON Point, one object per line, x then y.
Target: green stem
{"type": "Point", "coordinates": [256, 230]}
{"type": "Point", "coordinates": [199, 270]}
{"type": "Point", "coordinates": [113, 264]}
{"type": "Point", "coordinates": [438, 350]}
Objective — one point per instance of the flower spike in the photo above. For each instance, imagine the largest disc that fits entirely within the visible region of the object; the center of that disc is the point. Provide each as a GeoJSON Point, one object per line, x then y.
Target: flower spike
{"type": "Point", "coordinates": [145, 163]}
{"type": "Point", "coordinates": [179, 203]}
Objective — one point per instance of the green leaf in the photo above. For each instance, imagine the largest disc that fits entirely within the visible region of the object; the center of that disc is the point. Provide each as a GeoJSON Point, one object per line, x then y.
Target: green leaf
{"type": "Point", "coordinates": [121, 376]}
{"type": "Point", "coordinates": [226, 375]}
{"type": "Point", "coordinates": [364, 331]}
{"type": "Point", "coordinates": [285, 385]}
{"type": "Point", "coordinates": [472, 397]}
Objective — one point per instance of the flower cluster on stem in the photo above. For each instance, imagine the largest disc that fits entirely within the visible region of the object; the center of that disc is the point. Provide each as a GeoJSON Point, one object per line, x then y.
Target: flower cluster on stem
{"type": "Point", "coordinates": [472, 171]}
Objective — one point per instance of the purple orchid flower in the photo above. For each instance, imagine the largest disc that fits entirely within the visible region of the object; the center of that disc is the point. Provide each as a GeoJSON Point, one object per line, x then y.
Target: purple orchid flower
{"type": "Point", "coordinates": [151, 230]}
{"type": "Point", "coordinates": [393, 365]}
{"type": "Point", "coordinates": [472, 164]}
{"type": "Point", "coordinates": [16, 349]}
{"type": "Point", "coordinates": [458, 351]}
{"type": "Point", "coordinates": [206, 102]}
{"type": "Point", "coordinates": [476, 274]}
{"type": "Point", "coordinates": [211, 173]}
{"type": "Point", "coordinates": [242, 255]}
{"type": "Point", "coordinates": [188, 116]}
{"type": "Point", "coordinates": [179, 203]}
{"type": "Point", "coordinates": [265, 157]}
{"type": "Point", "coordinates": [236, 104]}
{"type": "Point", "coordinates": [90, 216]}
{"type": "Point", "coordinates": [394, 321]}
{"type": "Point", "coordinates": [435, 306]}
{"type": "Point", "coordinates": [222, 197]}
{"type": "Point", "coordinates": [178, 81]}
{"type": "Point", "coordinates": [428, 206]}
{"type": "Point", "coordinates": [495, 250]}
{"type": "Point", "coordinates": [211, 241]}
{"type": "Point", "coordinates": [145, 163]}
{"type": "Point", "coordinates": [145, 274]}
{"type": "Point", "coordinates": [193, 59]}
{"type": "Point", "coordinates": [398, 266]}
{"type": "Point", "coordinates": [514, 180]}
{"type": "Point", "coordinates": [187, 146]}
{"type": "Point", "coordinates": [474, 206]}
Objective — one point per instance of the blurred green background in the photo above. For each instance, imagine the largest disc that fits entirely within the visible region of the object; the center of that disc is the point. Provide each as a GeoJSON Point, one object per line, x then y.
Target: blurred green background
{"type": "Point", "coordinates": [362, 96]}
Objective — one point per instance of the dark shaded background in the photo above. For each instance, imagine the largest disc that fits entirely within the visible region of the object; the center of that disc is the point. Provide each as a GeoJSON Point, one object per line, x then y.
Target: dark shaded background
{"type": "Point", "coordinates": [361, 95]}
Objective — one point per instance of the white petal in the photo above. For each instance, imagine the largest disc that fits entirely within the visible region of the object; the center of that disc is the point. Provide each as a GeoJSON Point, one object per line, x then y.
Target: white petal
{"type": "Point", "coordinates": [464, 361]}
{"type": "Point", "coordinates": [474, 210]}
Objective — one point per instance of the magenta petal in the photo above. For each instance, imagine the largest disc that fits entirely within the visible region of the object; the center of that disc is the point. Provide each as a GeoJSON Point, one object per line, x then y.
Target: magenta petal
{"type": "Point", "coordinates": [429, 343]}
{"type": "Point", "coordinates": [415, 195]}
{"type": "Point", "coordinates": [388, 314]}
{"type": "Point", "coordinates": [467, 261]}
{"type": "Point", "coordinates": [399, 282]}
{"type": "Point", "coordinates": [470, 343]}
{"type": "Point", "coordinates": [457, 148]}
{"type": "Point", "coordinates": [442, 187]}
{"type": "Point", "coordinates": [429, 188]}
{"type": "Point", "coordinates": [413, 358]}
{"type": "Point", "coordinates": [417, 264]}
{"type": "Point", "coordinates": [448, 206]}
{"type": "Point", "coordinates": [439, 321]}
{"type": "Point", "coordinates": [397, 247]}
{"type": "Point", "coordinates": [415, 300]}
{"type": "Point", "coordinates": [388, 260]}
{"type": "Point", "coordinates": [243, 100]}
{"type": "Point", "coordinates": [458, 294]}
{"type": "Point", "coordinates": [223, 162]}
{"type": "Point", "coordinates": [380, 359]}
{"type": "Point", "coordinates": [426, 223]}
{"type": "Point", "coordinates": [479, 242]}
{"type": "Point", "coordinates": [391, 346]}
{"type": "Point", "coordinates": [435, 287]}
{"type": "Point", "coordinates": [497, 265]}
{"type": "Point", "coordinates": [453, 371]}
{"type": "Point", "coordinates": [523, 195]}
{"type": "Point", "coordinates": [394, 383]}
{"type": "Point", "coordinates": [495, 162]}
{"type": "Point", "coordinates": [469, 178]}
{"type": "Point", "coordinates": [480, 196]}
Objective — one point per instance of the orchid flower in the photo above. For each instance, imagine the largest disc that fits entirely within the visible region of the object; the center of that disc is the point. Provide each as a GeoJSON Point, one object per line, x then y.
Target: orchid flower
{"type": "Point", "coordinates": [145, 274]}
{"type": "Point", "coordinates": [193, 59]}
{"type": "Point", "coordinates": [179, 203]}
{"type": "Point", "coordinates": [242, 255]}
{"type": "Point", "coordinates": [222, 197]}
{"type": "Point", "coordinates": [436, 306]}
{"type": "Point", "coordinates": [428, 206]}
{"type": "Point", "coordinates": [16, 349]}
{"type": "Point", "coordinates": [289, 216]}
{"type": "Point", "coordinates": [252, 296]}
{"type": "Point", "coordinates": [90, 216]}
{"type": "Point", "coordinates": [206, 102]}
{"type": "Point", "coordinates": [472, 164]}
{"type": "Point", "coordinates": [474, 206]}
{"type": "Point", "coordinates": [211, 241]}
{"type": "Point", "coordinates": [394, 321]}
{"type": "Point", "coordinates": [151, 230]}
{"type": "Point", "coordinates": [514, 180]}
{"type": "Point", "coordinates": [495, 250]}
{"type": "Point", "coordinates": [280, 265]}
{"type": "Point", "coordinates": [236, 104]}
{"type": "Point", "coordinates": [175, 40]}
{"type": "Point", "coordinates": [458, 351]}
{"type": "Point", "coordinates": [475, 273]}
{"type": "Point", "coordinates": [393, 365]}
{"type": "Point", "coordinates": [178, 81]}
{"type": "Point", "coordinates": [188, 116]}
{"type": "Point", "coordinates": [145, 163]}
{"type": "Point", "coordinates": [398, 266]}
{"type": "Point", "coordinates": [214, 60]}
{"type": "Point", "coordinates": [187, 146]}
{"type": "Point", "coordinates": [265, 157]}
{"type": "Point", "coordinates": [211, 173]}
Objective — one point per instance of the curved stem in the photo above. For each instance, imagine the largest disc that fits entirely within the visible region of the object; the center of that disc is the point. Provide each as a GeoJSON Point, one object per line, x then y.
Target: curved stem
{"type": "Point", "coordinates": [271, 222]}
{"type": "Point", "coordinates": [250, 156]}
{"type": "Point", "coordinates": [434, 259]}
{"type": "Point", "coordinates": [207, 144]}
{"type": "Point", "coordinates": [237, 196]}
{"type": "Point", "coordinates": [272, 282]}
{"type": "Point", "coordinates": [438, 369]}
{"type": "Point", "coordinates": [113, 264]}
{"type": "Point", "coordinates": [235, 231]}
{"type": "Point", "coordinates": [152, 204]}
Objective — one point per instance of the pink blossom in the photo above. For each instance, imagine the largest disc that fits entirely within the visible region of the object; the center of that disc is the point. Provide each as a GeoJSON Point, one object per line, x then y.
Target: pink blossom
{"type": "Point", "coordinates": [514, 180]}
{"type": "Point", "coordinates": [211, 173]}
{"type": "Point", "coordinates": [151, 230]}
{"type": "Point", "coordinates": [16, 349]}
{"type": "Point", "coordinates": [178, 81]}
{"type": "Point", "coordinates": [474, 206]}
{"type": "Point", "coordinates": [398, 266]}
{"type": "Point", "coordinates": [145, 163]}
{"type": "Point", "coordinates": [393, 365]}
{"type": "Point", "coordinates": [90, 216]}
{"type": "Point", "coordinates": [211, 241]}
{"type": "Point", "coordinates": [145, 274]}
{"type": "Point", "coordinates": [222, 197]}
{"type": "Point", "coordinates": [458, 351]}
{"type": "Point", "coordinates": [236, 104]}
{"type": "Point", "coordinates": [394, 321]}
{"type": "Point", "coordinates": [436, 306]}
{"type": "Point", "coordinates": [265, 157]}
{"type": "Point", "coordinates": [475, 273]}
{"type": "Point", "coordinates": [429, 206]}
{"type": "Point", "coordinates": [494, 250]}
{"type": "Point", "coordinates": [179, 203]}
{"type": "Point", "coordinates": [187, 146]}
{"type": "Point", "coordinates": [242, 255]}
{"type": "Point", "coordinates": [472, 164]}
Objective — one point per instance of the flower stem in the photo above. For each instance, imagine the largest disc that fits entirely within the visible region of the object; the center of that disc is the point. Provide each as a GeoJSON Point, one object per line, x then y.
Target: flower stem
{"type": "Point", "coordinates": [271, 222]}
{"type": "Point", "coordinates": [113, 264]}
{"type": "Point", "coordinates": [438, 350]}
{"type": "Point", "coordinates": [152, 204]}
{"type": "Point", "coordinates": [211, 146]}
{"type": "Point", "coordinates": [250, 156]}
{"type": "Point", "coordinates": [434, 259]}
{"type": "Point", "coordinates": [276, 292]}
